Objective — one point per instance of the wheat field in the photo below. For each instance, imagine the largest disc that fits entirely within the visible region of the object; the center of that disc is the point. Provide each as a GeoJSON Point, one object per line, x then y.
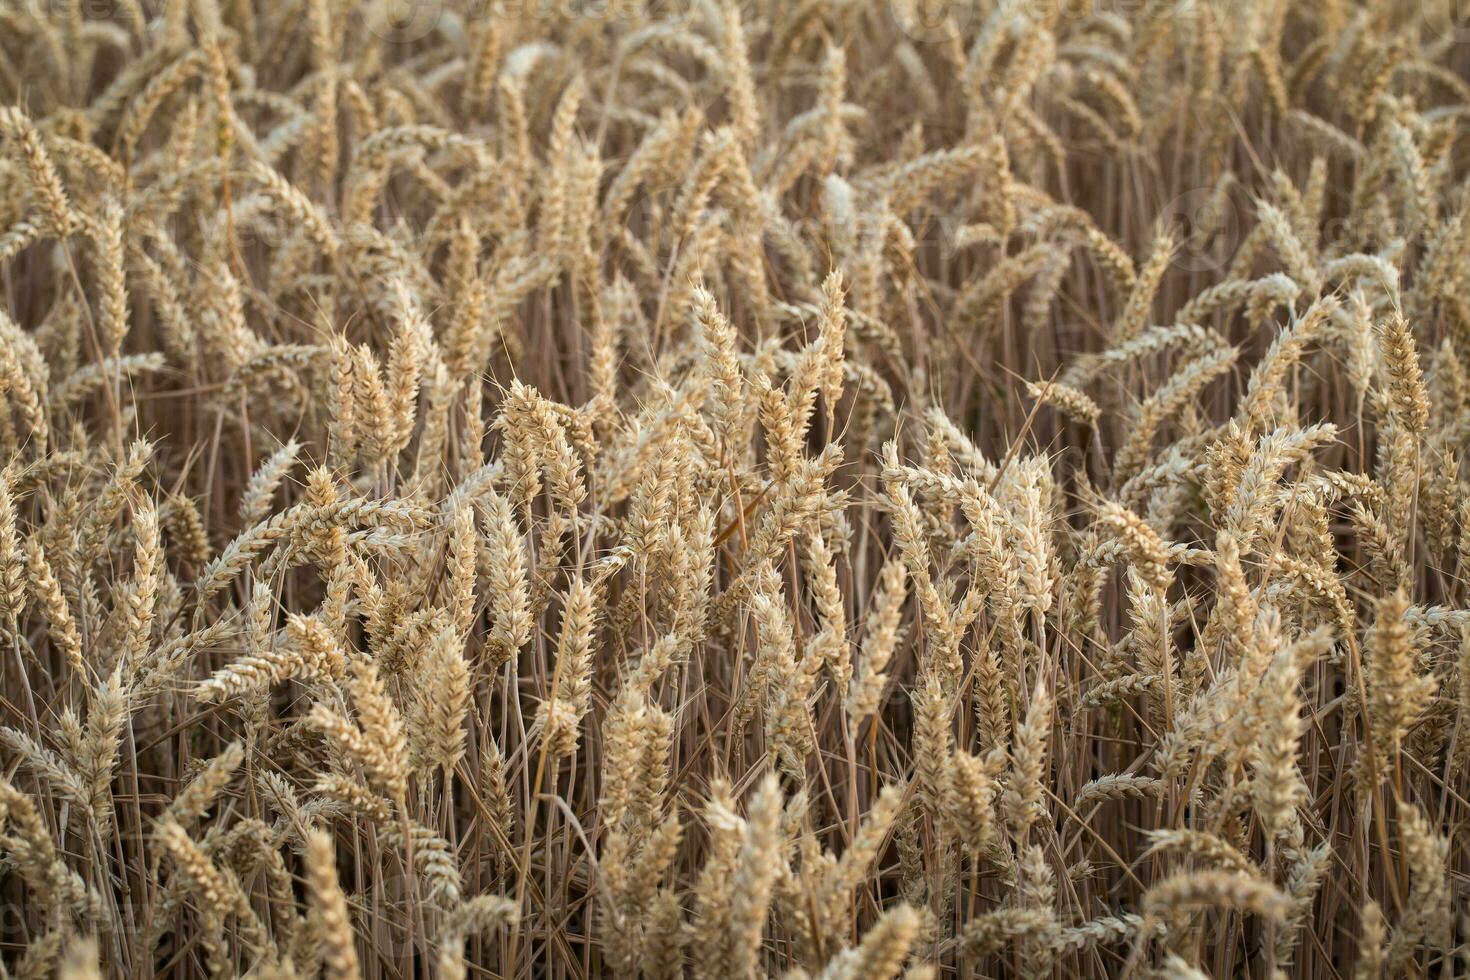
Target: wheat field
{"type": "Point", "coordinates": [734, 488]}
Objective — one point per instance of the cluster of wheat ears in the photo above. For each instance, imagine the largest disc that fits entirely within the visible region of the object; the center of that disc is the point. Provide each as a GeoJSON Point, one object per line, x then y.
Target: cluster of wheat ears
{"type": "Point", "coordinates": [837, 489]}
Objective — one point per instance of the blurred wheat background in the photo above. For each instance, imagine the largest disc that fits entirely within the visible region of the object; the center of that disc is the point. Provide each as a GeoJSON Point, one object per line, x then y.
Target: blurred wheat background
{"type": "Point", "coordinates": [734, 488]}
